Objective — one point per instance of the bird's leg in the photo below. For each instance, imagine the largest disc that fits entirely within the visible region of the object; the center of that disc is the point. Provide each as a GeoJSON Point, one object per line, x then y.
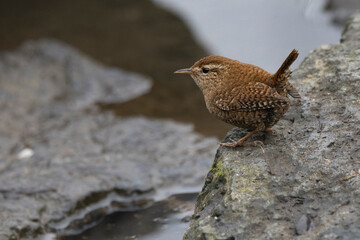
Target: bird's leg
{"type": "Point", "coordinates": [269, 130]}
{"type": "Point", "coordinates": [241, 141]}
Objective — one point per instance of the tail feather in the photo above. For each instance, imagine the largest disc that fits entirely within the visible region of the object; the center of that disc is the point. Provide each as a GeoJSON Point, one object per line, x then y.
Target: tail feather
{"type": "Point", "coordinates": [281, 77]}
{"type": "Point", "coordinates": [286, 64]}
{"type": "Point", "coordinates": [291, 90]}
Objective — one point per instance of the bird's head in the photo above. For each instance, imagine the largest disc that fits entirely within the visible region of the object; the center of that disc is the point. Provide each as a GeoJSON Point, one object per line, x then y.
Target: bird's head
{"type": "Point", "coordinates": [209, 71]}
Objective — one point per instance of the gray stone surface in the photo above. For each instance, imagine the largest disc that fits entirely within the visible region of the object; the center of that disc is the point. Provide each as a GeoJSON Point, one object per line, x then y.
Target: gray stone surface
{"type": "Point", "coordinates": [55, 70]}
{"type": "Point", "coordinates": [315, 192]}
{"type": "Point", "coordinates": [64, 163]}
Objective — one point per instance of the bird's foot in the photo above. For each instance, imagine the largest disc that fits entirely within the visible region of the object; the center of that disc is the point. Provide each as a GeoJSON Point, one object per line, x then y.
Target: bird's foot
{"type": "Point", "coordinates": [242, 143]}
{"type": "Point", "coordinates": [231, 144]}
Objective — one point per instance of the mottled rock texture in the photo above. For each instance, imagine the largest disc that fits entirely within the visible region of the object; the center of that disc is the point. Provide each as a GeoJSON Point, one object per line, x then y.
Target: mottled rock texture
{"type": "Point", "coordinates": [64, 163]}
{"type": "Point", "coordinates": [315, 192]}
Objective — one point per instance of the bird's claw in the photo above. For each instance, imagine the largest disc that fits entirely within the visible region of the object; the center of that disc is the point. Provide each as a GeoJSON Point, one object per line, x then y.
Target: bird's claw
{"type": "Point", "coordinates": [257, 143]}
{"type": "Point", "coordinates": [231, 144]}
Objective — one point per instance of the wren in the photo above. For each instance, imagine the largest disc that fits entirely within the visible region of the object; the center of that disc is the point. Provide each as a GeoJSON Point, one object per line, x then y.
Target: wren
{"type": "Point", "coordinates": [244, 95]}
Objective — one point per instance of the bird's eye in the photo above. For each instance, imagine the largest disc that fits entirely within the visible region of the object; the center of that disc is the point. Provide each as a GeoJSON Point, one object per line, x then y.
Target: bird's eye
{"type": "Point", "coordinates": [205, 70]}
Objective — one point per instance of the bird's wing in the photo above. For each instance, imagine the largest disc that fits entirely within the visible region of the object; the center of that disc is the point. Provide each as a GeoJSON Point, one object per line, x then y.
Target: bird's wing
{"type": "Point", "coordinates": [252, 97]}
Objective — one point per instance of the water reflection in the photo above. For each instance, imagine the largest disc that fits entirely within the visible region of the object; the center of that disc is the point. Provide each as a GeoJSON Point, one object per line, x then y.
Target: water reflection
{"type": "Point", "coordinates": [166, 219]}
{"type": "Point", "coordinates": [260, 32]}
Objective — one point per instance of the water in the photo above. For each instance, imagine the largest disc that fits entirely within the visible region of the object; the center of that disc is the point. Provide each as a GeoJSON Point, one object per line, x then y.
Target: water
{"type": "Point", "coordinates": [167, 219]}
{"type": "Point", "coordinates": [260, 32]}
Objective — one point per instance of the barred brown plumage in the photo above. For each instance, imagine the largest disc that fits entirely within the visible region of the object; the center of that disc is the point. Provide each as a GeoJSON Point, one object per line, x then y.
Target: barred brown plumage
{"type": "Point", "coordinates": [242, 94]}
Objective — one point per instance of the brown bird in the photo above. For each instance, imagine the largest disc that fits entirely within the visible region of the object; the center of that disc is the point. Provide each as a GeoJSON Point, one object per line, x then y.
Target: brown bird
{"type": "Point", "coordinates": [242, 94]}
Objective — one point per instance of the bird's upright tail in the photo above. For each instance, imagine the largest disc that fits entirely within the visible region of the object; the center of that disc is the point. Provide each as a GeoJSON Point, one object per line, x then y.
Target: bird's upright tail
{"type": "Point", "coordinates": [286, 64]}
{"type": "Point", "coordinates": [282, 75]}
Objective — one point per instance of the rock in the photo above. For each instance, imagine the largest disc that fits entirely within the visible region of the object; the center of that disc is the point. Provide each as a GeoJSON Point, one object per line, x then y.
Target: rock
{"type": "Point", "coordinates": [341, 10]}
{"type": "Point", "coordinates": [303, 225]}
{"type": "Point", "coordinates": [64, 164]}
{"type": "Point", "coordinates": [54, 70]}
{"type": "Point", "coordinates": [351, 34]}
{"type": "Point", "coordinates": [315, 156]}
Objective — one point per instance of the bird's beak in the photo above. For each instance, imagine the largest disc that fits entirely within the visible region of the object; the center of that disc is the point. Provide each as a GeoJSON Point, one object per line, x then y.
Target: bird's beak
{"type": "Point", "coordinates": [184, 71]}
